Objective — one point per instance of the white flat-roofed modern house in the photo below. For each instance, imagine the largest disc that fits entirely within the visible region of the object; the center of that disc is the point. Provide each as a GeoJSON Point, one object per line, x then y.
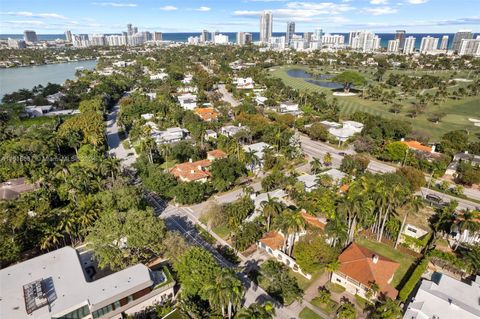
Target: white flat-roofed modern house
{"type": "Point", "coordinates": [244, 83]}
{"type": "Point", "coordinates": [188, 101]}
{"type": "Point", "coordinates": [170, 135]}
{"type": "Point", "coordinates": [289, 107]}
{"type": "Point", "coordinates": [348, 129]}
{"type": "Point", "coordinates": [445, 297]}
{"type": "Point", "coordinates": [59, 284]}
{"type": "Point", "coordinates": [231, 130]}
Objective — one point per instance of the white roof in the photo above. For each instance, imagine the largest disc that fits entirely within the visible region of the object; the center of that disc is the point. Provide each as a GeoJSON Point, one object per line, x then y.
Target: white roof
{"type": "Point", "coordinates": [310, 181]}
{"type": "Point", "coordinates": [257, 148]}
{"type": "Point", "coordinates": [343, 133]}
{"type": "Point", "coordinates": [70, 290]}
{"type": "Point", "coordinates": [445, 297]}
{"type": "Point", "coordinates": [335, 174]}
{"type": "Point", "coordinates": [278, 195]}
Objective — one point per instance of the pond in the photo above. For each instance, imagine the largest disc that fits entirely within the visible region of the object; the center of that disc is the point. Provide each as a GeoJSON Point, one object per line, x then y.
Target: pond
{"type": "Point", "coordinates": [316, 80]}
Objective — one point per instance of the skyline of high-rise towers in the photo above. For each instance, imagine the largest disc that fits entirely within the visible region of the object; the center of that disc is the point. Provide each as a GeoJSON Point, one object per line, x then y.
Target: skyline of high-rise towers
{"type": "Point", "coordinates": [266, 26]}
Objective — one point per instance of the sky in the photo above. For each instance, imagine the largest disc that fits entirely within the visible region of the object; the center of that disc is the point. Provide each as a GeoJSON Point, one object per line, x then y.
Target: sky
{"type": "Point", "coordinates": [111, 16]}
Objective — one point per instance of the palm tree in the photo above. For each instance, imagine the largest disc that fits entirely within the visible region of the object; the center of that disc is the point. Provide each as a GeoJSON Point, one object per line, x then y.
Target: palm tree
{"type": "Point", "coordinates": [414, 205]}
{"type": "Point", "coordinates": [290, 223]}
{"type": "Point", "coordinates": [251, 159]}
{"type": "Point", "coordinates": [332, 266]}
{"type": "Point", "coordinates": [315, 165]}
{"type": "Point", "coordinates": [271, 208]}
{"type": "Point", "coordinates": [468, 222]}
{"type": "Point", "coordinates": [256, 311]}
{"type": "Point", "coordinates": [225, 292]}
{"type": "Point", "coordinates": [327, 159]}
{"type": "Point", "coordinates": [51, 238]}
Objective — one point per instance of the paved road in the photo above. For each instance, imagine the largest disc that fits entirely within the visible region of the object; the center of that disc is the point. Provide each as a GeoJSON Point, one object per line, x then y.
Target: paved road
{"type": "Point", "coordinates": [126, 156]}
{"type": "Point", "coordinates": [227, 96]}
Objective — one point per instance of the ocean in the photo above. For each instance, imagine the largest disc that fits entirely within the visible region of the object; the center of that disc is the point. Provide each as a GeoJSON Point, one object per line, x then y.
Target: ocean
{"type": "Point", "coordinates": [182, 37]}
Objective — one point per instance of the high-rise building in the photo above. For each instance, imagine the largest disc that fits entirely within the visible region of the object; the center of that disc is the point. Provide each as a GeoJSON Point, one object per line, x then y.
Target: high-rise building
{"type": "Point", "coordinates": [68, 36]}
{"type": "Point", "coordinates": [240, 38]}
{"type": "Point", "coordinates": [470, 47]}
{"type": "Point", "coordinates": [318, 35]}
{"type": "Point", "coordinates": [30, 36]}
{"type": "Point", "coordinates": [97, 39]}
{"type": "Point", "coordinates": [204, 36]}
{"type": "Point", "coordinates": [212, 35]}
{"type": "Point", "coordinates": [16, 44]}
{"type": "Point", "coordinates": [400, 35]}
{"type": "Point", "coordinates": [308, 36]}
{"type": "Point", "coordinates": [135, 30]}
{"type": "Point", "coordinates": [333, 39]}
{"type": "Point", "coordinates": [157, 36]}
{"type": "Point", "coordinates": [444, 43]}
{"type": "Point", "coordinates": [290, 32]}
{"type": "Point", "coordinates": [221, 39]}
{"type": "Point", "coordinates": [393, 46]}
{"type": "Point", "coordinates": [116, 40]}
{"type": "Point", "coordinates": [364, 41]}
{"type": "Point", "coordinates": [266, 26]}
{"type": "Point", "coordinates": [409, 47]}
{"type": "Point", "coordinates": [428, 45]}
{"type": "Point", "coordinates": [129, 29]}
{"type": "Point", "coordinates": [457, 39]}
{"type": "Point", "coordinates": [277, 43]}
{"type": "Point", "coordinates": [351, 36]}
{"type": "Point", "coordinates": [248, 38]}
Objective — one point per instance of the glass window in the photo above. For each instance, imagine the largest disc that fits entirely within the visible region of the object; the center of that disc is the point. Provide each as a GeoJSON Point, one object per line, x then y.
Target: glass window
{"type": "Point", "coordinates": [77, 314]}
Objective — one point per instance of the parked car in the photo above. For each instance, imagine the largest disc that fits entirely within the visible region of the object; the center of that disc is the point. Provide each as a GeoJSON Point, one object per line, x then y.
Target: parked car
{"type": "Point", "coordinates": [435, 201]}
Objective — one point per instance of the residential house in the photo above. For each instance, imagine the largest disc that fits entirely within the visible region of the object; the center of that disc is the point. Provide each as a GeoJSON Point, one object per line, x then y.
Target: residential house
{"type": "Point", "coordinates": [192, 171]}
{"type": "Point", "coordinates": [54, 98]}
{"type": "Point", "coordinates": [210, 135]}
{"type": "Point", "coordinates": [275, 243]}
{"type": "Point", "coordinates": [215, 155]}
{"type": "Point", "coordinates": [336, 175]}
{"type": "Point", "coordinates": [12, 188]}
{"type": "Point", "coordinates": [187, 89]}
{"type": "Point", "coordinates": [290, 108]}
{"type": "Point", "coordinates": [207, 114]}
{"type": "Point", "coordinates": [414, 231]}
{"type": "Point", "coordinates": [330, 124]}
{"type": "Point", "coordinates": [151, 95]}
{"type": "Point", "coordinates": [65, 283]}
{"type": "Point", "coordinates": [36, 111]}
{"type": "Point", "coordinates": [244, 83]}
{"type": "Point", "coordinates": [361, 267]}
{"type": "Point", "coordinates": [147, 116]}
{"type": "Point", "coordinates": [463, 234]}
{"type": "Point", "coordinates": [279, 195]}
{"type": "Point", "coordinates": [348, 129]}
{"type": "Point", "coordinates": [231, 130]}
{"type": "Point", "coordinates": [187, 101]}
{"type": "Point", "coordinates": [462, 157]}
{"type": "Point", "coordinates": [170, 135]}
{"type": "Point", "coordinates": [419, 147]}
{"type": "Point", "coordinates": [310, 181]}
{"type": "Point", "coordinates": [158, 76]}
{"type": "Point", "coordinates": [260, 100]}
{"type": "Point", "coordinates": [258, 149]}
{"type": "Point", "coordinates": [445, 297]}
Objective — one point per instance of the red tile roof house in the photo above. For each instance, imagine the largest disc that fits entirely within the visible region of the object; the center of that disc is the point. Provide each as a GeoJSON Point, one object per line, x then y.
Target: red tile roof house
{"type": "Point", "coordinates": [216, 154]}
{"type": "Point", "coordinates": [360, 267]}
{"type": "Point", "coordinates": [192, 171]}
{"type": "Point", "coordinates": [273, 243]}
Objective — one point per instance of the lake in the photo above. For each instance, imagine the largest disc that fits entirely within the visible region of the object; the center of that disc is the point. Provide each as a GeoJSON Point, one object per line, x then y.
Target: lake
{"type": "Point", "coordinates": [14, 79]}
{"type": "Point", "coordinates": [317, 80]}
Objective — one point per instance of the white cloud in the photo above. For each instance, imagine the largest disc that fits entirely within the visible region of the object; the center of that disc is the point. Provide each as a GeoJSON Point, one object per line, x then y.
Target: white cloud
{"type": "Point", "coordinates": [114, 4]}
{"type": "Point", "coordinates": [36, 15]}
{"type": "Point", "coordinates": [381, 11]}
{"type": "Point", "coordinates": [168, 8]}
{"type": "Point", "coordinates": [378, 1]}
{"type": "Point", "coordinates": [203, 9]}
{"type": "Point", "coordinates": [300, 11]}
{"type": "Point", "coordinates": [417, 1]}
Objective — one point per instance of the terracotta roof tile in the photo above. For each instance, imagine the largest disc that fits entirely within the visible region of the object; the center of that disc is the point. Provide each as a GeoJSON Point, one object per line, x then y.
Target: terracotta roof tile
{"type": "Point", "coordinates": [216, 154]}
{"type": "Point", "coordinates": [191, 171]}
{"type": "Point", "coordinates": [273, 240]}
{"type": "Point", "coordinates": [417, 146]}
{"type": "Point", "coordinates": [207, 113]}
{"type": "Point", "coordinates": [313, 221]}
{"type": "Point", "coordinates": [357, 262]}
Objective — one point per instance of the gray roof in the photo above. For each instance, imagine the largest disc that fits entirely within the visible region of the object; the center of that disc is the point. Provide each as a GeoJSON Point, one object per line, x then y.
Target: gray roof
{"type": "Point", "coordinates": [310, 181]}
{"type": "Point", "coordinates": [257, 148]}
{"type": "Point", "coordinates": [445, 297]}
{"type": "Point", "coordinates": [278, 194]}
{"type": "Point", "coordinates": [70, 289]}
{"type": "Point", "coordinates": [335, 174]}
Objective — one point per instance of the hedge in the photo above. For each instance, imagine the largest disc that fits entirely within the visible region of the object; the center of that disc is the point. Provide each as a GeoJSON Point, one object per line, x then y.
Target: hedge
{"type": "Point", "coordinates": [413, 280]}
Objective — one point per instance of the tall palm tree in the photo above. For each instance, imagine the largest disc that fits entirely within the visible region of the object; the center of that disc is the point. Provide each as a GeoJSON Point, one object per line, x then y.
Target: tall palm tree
{"type": "Point", "coordinates": [468, 222]}
{"type": "Point", "coordinates": [290, 223]}
{"type": "Point", "coordinates": [271, 208]}
{"type": "Point", "coordinates": [257, 311]}
{"type": "Point", "coordinates": [225, 292]}
{"type": "Point", "coordinates": [51, 238]}
{"type": "Point", "coordinates": [415, 204]}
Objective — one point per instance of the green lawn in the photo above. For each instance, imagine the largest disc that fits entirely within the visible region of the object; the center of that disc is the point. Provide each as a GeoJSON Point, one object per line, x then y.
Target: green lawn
{"type": "Point", "coordinates": [175, 315]}
{"type": "Point", "coordinates": [458, 111]}
{"type": "Point", "coordinates": [306, 313]}
{"type": "Point", "coordinates": [222, 231]}
{"type": "Point", "coordinates": [330, 308]}
{"type": "Point", "coordinates": [303, 282]}
{"type": "Point", "coordinates": [38, 120]}
{"type": "Point", "coordinates": [404, 260]}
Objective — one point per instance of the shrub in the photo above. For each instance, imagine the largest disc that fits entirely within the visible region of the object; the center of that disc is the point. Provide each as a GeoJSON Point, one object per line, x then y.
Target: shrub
{"type": "Point", "coordinates": [413, 280]}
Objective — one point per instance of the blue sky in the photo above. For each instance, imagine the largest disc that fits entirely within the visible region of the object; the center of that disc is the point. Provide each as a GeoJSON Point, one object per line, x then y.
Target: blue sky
{"type": "Point", "coordinates": [111, 16]}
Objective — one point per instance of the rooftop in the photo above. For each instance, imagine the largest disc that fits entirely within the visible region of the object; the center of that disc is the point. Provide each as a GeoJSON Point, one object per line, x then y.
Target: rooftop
{"type": "Point", "coordinates": [273, 240]}
{"type": "Point", "coordinates": [445, 297]}
{"type": "Point", "coordinates": [191, 171]}
{"type": "Point", "coordinates": [366, 267]}
{"type": "Point", "coordinates": [65, 285]}
{"type": "Point", "coordinates": [12, 188]}
{"type": "Point", "coordinates": [418, 146]}
{"type": "Point", "coordinates": [216, 154]}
